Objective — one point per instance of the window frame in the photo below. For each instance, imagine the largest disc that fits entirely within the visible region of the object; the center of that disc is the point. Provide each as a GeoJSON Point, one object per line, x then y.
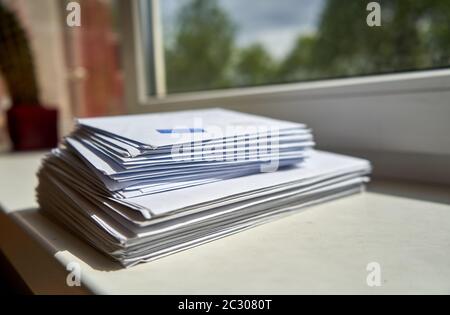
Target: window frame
{"type": "Point", "coordinates": [401, 88]}
{"type": "Point", "coordinates": [132, 11]}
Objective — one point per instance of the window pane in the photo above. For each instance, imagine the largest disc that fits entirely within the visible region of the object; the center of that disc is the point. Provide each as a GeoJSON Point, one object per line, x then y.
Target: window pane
{"type": "Point", "coordinates": [216, 44]}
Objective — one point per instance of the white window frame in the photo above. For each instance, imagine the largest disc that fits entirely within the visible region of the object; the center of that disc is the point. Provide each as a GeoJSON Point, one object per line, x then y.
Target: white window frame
{"type": "Point", "coordinates": [407, 115]}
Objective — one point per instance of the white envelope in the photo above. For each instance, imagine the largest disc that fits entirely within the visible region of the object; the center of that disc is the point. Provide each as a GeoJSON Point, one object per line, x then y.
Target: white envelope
{"type": "Point", "coordinates": [157, 130]}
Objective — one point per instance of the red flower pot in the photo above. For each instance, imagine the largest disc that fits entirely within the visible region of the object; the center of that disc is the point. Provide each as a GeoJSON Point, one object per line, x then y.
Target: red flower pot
{"type": "Point", "coordinates": [32, 127]}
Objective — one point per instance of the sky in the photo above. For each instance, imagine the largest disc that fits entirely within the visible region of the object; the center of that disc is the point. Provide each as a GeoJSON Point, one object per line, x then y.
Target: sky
{"type": "Point", "coordinates": [276, 24]}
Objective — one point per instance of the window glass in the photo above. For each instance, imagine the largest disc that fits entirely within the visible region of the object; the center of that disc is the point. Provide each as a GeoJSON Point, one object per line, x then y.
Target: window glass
{"type": "Point", "coordinates": [216, 44]}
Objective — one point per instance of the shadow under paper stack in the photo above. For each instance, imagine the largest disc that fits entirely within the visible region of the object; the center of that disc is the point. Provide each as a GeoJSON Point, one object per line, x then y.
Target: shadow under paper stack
{"type": "Point", "coordinates": [145, 186]}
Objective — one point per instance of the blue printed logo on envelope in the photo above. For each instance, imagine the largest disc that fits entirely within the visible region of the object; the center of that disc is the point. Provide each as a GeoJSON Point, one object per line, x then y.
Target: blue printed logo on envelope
{"type": "Point", "coordinates": [181, 130]}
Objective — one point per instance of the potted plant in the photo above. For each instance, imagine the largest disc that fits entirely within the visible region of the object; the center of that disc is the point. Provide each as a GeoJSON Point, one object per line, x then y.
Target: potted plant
{"type": "Point", "coordinates": [31, 126]}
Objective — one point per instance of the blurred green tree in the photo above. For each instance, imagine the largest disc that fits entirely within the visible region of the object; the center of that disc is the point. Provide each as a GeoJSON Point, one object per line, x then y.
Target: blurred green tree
{"type": "Point", "coordinates": [203, 46]}
{"type": "Point", "coordinates": [254, 66]}
{"type": "Point", "coordinates": [298, 64]}
{"type": "Point", "coordinates": [415, 34]}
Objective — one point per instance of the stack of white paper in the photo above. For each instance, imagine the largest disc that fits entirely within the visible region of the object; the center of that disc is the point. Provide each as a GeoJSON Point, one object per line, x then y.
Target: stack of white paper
{"type": "Point", "coordinates": [145, 186]}
{"type": "Point", "coordinates": [145, 154]}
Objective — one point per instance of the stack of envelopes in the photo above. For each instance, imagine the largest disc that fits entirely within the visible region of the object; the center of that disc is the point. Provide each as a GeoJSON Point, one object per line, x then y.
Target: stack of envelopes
{"type": "Point", "coordinates": [144, 186]}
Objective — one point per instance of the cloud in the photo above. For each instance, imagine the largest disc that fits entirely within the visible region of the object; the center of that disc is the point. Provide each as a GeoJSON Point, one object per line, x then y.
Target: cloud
{"type": "Point", "coordinates": [256, 14]}
{"type": "Point", "coordinates": [276, 24]}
